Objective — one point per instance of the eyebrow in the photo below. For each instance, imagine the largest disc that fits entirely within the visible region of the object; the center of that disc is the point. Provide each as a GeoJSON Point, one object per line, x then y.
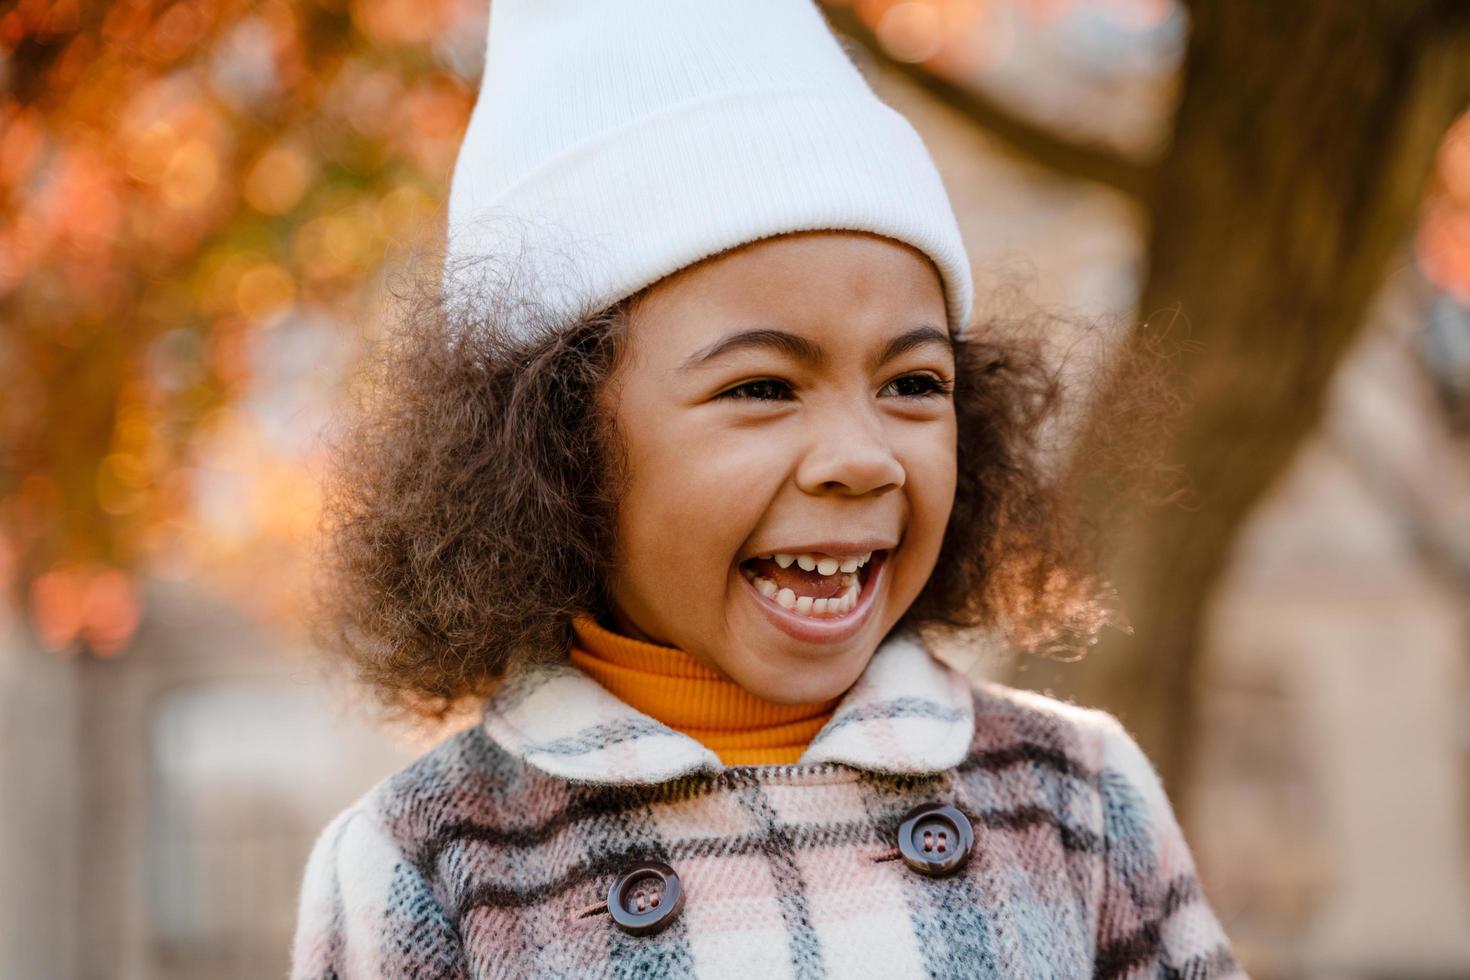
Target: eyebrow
{"type": "Point", "coordinates": [807, 351]}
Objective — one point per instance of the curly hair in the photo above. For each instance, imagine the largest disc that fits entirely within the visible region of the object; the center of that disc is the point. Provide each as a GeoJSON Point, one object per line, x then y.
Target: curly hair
{"type": "Point", "coordinates": [470, 504]}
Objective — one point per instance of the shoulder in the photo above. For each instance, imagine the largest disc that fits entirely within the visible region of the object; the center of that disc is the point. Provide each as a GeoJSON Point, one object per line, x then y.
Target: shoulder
{"type": "Point", "coordinates": [1089, 739]}
{"type": "Point", "coordinates": [411, 809]}
{"type": "Point", "coordinates": [1096, 747]}
{"type": "Point", "coordinates": [367, 905]}
{"type": "Point", "coordinates": [1082, 745]}
{"type": "Point", "coordinates": [1152, 915]}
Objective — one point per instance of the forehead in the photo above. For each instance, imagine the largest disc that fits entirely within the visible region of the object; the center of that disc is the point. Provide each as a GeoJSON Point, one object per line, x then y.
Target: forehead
{"type": "Point", "coordinates": [810, 282]}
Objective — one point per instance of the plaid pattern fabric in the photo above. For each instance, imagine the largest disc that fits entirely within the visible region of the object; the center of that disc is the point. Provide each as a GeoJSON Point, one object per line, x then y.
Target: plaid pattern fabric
{"type": "Point", "coordinates": [492, 854]}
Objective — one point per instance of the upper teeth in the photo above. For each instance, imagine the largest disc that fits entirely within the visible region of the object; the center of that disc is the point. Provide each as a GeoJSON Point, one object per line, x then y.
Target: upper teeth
{"type": "Point", "coordinates": [824, 565]}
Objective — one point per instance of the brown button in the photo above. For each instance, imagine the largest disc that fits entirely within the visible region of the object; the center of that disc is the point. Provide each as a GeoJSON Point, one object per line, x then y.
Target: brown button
{"type": "Point", "coordinates": [645, 898]}
{"type": "Point", "coordinates": [935, 839]}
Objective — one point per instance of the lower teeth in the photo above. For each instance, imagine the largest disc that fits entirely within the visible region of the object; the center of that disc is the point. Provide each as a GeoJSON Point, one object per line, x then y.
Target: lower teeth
{"type": "Point", "coordinates": [829, 607]}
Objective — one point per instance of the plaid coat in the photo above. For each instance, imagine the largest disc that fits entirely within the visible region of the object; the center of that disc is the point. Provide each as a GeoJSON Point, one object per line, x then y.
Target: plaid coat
{"type": "Point", "coordinates": [492, 854]}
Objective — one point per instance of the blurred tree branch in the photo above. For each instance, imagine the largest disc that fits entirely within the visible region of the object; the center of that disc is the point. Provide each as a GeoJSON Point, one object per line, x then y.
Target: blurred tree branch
{"type": "Point", "coordinates": [1030, 140]}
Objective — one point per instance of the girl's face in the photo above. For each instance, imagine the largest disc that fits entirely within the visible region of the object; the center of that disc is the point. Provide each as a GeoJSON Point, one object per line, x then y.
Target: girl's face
{"type": "Point", "coordinates": [784, 405]}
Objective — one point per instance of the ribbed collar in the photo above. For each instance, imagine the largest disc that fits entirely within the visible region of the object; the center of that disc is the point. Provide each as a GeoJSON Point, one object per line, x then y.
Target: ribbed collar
{"type": "Point", "coordinates": [669, 685]}
{"type": "Point", "coordinates": [907, 714]}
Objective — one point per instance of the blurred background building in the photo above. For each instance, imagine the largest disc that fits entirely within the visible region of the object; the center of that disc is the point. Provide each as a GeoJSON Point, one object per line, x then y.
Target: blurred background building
{"type": "Point", "coordinates": [203, 203]}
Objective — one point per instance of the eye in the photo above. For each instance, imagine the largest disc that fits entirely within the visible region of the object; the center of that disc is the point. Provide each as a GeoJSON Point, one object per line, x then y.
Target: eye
{"type": "Point", "coordinates": [762, 390]}
{"type": "Point", "coordinates": [920, 386]}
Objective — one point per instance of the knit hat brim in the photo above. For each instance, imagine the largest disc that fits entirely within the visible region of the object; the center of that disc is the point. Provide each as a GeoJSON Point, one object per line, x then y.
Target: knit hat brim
{"type": "Point", "coordinates": [705, 176]}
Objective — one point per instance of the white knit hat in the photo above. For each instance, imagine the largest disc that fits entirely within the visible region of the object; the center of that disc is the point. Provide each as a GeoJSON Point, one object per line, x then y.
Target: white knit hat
{"type": "Point", "coordinates": [617, 141]}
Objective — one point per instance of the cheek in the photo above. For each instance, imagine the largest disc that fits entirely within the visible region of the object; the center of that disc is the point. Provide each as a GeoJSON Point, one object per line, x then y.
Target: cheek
{"type": "Point", "coordinates": [943, 479]}
{"type": "Point", "coordinates": [692, 501]}
{"type": "Point", "coordinates": [931, 469]}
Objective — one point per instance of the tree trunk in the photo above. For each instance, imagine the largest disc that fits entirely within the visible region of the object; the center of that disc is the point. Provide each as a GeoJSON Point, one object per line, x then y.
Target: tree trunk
{"type": "Point", "coordinates": [1302, 142]}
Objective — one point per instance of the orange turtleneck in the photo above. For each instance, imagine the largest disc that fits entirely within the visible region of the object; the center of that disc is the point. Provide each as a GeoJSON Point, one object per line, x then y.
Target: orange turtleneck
{"type": "Point", "coordinates": [672, 687]}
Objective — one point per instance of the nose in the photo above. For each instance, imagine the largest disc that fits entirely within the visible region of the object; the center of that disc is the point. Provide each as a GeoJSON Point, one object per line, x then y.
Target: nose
{"type": "Point", "coordinates": [850, 454]}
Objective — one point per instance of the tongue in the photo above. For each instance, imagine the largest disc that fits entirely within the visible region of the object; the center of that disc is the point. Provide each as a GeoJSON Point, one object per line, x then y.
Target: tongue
{"type": "Point", "coordinates": [801, 582]}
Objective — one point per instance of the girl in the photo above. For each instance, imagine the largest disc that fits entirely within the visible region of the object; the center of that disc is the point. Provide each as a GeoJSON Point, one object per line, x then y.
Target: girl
{"type": "Point", "coordinates": [673, 477]}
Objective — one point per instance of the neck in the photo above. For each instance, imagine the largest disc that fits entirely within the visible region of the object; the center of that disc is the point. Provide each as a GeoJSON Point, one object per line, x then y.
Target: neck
{"type": "Point", "coordinates": [672, 687]}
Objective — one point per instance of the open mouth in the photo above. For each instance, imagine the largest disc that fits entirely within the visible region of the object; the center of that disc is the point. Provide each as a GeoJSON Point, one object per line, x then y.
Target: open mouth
{"type": "Point", "coordinates": [812, 585]}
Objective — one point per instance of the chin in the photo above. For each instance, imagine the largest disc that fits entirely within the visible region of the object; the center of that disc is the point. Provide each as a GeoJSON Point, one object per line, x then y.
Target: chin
{"type": "Point", "coordinates": [797, 680]}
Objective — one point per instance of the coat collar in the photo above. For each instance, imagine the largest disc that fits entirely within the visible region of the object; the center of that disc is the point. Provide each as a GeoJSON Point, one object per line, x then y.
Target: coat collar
{"type": "Point", "coordinates": [907, 714]}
